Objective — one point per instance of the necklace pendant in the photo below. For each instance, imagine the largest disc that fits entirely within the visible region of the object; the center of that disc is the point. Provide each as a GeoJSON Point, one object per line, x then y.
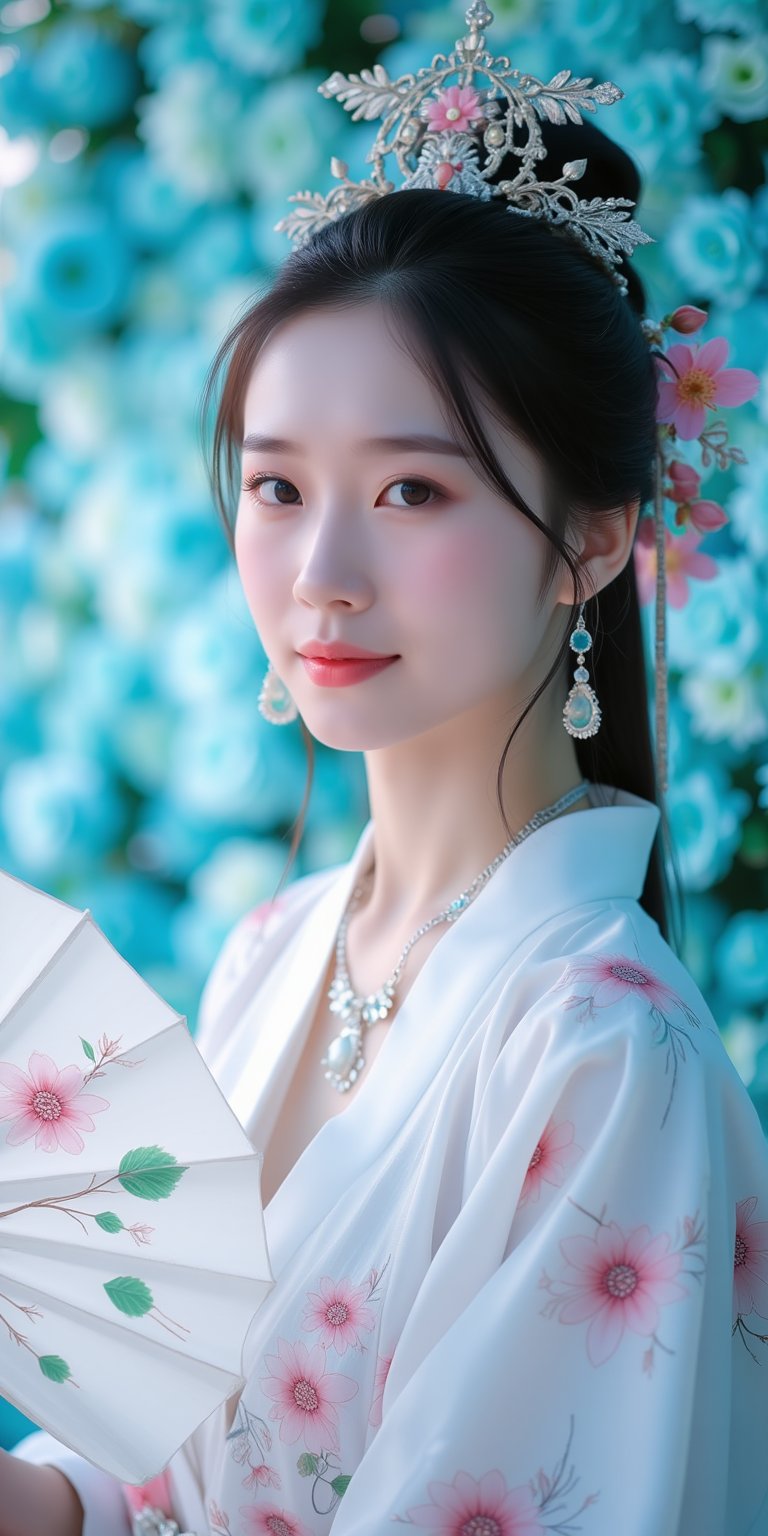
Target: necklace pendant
{"type": "Point", "coordinates": [344, 1059]}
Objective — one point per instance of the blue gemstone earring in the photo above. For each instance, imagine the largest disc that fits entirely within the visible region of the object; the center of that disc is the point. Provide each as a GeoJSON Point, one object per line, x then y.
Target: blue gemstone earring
{"type": "Point", "coordinates": [581, 713]}
{"type": "Point", "coordinates": [275, 702]}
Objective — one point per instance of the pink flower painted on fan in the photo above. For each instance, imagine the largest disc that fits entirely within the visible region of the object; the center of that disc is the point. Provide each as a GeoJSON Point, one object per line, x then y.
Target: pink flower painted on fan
{"type": "Point", "coordinates": [48, 1104]}
{"type": "Point", "coordinates": [682, 559]}
{"type": "Point", "coordinates": [270, 1521]}
{"type": "Point", "coordinates": [339, 1312]}
{"type": "Point", "coordinates": [554, 1153]}
{"type": "Point", "coordinates": [488, 1508]}
{"type": "Point", "coordinates": [750, 1262]}
{"type": "Point", "coordinates": [456, 107]}
{"type": "Point", "coordinates": [693, 380]}
{"type": "Point", "coordinates": [619, 1280]}
{"type": "Point", "coordinates": [305, 1395]}
{"type": "Point", "coordinates": [382, 1371]}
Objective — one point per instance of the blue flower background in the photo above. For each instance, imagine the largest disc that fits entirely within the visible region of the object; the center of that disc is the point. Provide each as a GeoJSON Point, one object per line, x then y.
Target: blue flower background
{"type": "Point", "coordinates": [147, 147]}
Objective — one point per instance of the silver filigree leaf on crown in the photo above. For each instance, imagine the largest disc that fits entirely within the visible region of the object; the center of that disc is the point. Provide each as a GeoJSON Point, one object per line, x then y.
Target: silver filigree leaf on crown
{"type": "Point", "coordinates": [418, 129]}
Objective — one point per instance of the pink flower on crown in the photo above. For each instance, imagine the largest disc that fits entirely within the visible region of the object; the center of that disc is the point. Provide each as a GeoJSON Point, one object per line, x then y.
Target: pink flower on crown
{"type": "Point", "coordinates": [338, 1310]}
{"type": "Point", "coordinates": [457, 108]}
{"type": "Point", "coordinates": [750, 1262]}
{"type": "Point", "coordinates": [683, 489]}
{"type": "Point", "coordinates": [48, 1104]}
{"type": "Point", "coordinates": [682, 559]}
{"type": "Point", "coordinates": [693, 380]}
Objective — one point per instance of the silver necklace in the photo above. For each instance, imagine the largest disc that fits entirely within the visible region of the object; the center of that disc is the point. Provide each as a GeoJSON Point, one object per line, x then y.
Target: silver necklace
{"type": "Point", "coordinates": [345, 1058]}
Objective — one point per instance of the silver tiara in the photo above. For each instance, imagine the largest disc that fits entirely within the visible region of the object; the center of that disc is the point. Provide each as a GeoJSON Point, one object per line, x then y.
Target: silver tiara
{"type": "Point", "coordinates": [435, 133]}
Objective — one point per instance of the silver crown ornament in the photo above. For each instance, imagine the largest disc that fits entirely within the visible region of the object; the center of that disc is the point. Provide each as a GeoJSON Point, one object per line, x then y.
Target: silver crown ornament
{"type": "Point", "coordinates": [435, 132]}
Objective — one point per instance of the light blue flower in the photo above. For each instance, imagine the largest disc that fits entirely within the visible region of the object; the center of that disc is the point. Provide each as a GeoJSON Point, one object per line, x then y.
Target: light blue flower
{"type": "Point", "coordinates": [134, 912]}
{"type": "Point", "coordinates": [228, 768]}
{"type": "Point", "coordinates": [602, 24]}
{"type": "Point", "coordinates": [705, 919]}
{"type": "Point", "coordinates": [748, 506]}
{"type": "Point", "coordinates": [741, 957]}
{"type": "Point", "coordinates": [83, 76]}
{"type": "Point", "coordinates": [663, 112]}
{"type": "Point", "coordinates": [150, 204]}
{"type": "Point", "coordinates": [167, 842]}
{"type": "Point", "coordinates": [745, 328]}
{"type": "Point", "coordinates": [261, 37]}
{"type": "Point", "coordinates": [212, 651]}
{"type": "Point", "coordinates": [21, 733]}
{"type": "Point", "coordinates": [711, 244]}
{"type": "Point", "coordinates": [194, 129]}
{"type": "Point", "coordinates": [288, 136]}
{"type": "Point", "coordinates": [59, 809]}
{"type": "Point", "coordinates": [150, 12]}
{"type": "Point", "coordinates": [29, 344]}
{"type": "Point", "coordinates": [180, 39]}
{"type": "Point", "coordinates": [219, 247]}
{"type": "Point", "coordinates": [718, 632]}
{"type": "Point", "coordinates": [21, 105]}
{"type": "Point", "coordinates": [76, 269]}
{"type": "Point", "coordinates": [733, 710]}
{"type": "Point", "coordinates": [21, 541]}
{"type": "Point", "coordinates": [734, 73]}
{"type": "Point", "coordinates": [720, 15]}
{"type": "Point", "coordinates": [706, 813]}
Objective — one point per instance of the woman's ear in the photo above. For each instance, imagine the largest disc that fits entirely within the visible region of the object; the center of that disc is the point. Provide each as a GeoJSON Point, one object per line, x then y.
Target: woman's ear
{"type": "Point", "coordinates": [604, 547]}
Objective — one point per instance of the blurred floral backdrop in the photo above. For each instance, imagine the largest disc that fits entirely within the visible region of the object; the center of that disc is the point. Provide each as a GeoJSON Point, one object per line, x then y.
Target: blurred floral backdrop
{"type": "Point", "coordinates": [147, 147]}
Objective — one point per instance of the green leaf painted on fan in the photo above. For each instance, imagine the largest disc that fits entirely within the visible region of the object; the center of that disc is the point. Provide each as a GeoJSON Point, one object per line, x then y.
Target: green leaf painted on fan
{"type": "Point", "coordinates": [88, 1048]}
{"type": "Point", "coordinates": [54, 1367]}
{"type": "Point", "coordinates": [108, 1221]}
{"type": "Point", "coordinates": [341, 1483]}
{"type": "Point", "coordinates": [150, 1173]}
{"type": "Point", "coordinates": [306, 1464]}
{"type": "Point", "coordinates": [129, 1295]}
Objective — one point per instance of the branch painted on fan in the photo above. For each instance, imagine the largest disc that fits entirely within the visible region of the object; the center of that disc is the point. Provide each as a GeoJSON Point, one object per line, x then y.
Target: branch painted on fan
{"type": "Point", "coordinates": [108, 1050]}
{"type": "Point", "coordinates": [52, 1366]}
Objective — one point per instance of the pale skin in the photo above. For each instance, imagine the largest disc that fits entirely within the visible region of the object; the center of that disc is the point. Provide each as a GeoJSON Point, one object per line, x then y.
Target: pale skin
{"type": "Point", "coordinates": [405, 552]}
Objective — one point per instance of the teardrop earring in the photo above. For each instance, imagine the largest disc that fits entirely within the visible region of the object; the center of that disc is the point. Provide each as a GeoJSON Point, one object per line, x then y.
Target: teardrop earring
{"type": "Point", "coordinates": [275, 702]}
{"type": "Point", "coordinates": [581, 712]}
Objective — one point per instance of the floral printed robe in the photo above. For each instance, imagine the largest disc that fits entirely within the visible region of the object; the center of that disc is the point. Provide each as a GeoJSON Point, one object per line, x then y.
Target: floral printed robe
{"type": "Point", "coordinates": [522, 1279]}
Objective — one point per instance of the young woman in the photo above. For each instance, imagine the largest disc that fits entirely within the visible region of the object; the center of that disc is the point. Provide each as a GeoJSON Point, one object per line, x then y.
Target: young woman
{"type": "Point", "coordinates": [521, 1257]}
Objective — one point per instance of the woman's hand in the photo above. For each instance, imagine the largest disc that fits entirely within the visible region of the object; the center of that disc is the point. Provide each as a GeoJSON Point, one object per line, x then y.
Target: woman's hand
{"type": "Point", "coordinates": [37, 1501]}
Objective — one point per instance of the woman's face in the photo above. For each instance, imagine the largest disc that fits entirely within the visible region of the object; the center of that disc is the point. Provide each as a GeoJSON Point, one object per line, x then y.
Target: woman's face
{"type": "Point", "coordinates": [403, 550]}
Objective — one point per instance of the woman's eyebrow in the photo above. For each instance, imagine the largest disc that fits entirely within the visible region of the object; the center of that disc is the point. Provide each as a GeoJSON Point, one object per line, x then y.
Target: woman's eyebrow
{"type": "Point", "coordinates": [423, 442]}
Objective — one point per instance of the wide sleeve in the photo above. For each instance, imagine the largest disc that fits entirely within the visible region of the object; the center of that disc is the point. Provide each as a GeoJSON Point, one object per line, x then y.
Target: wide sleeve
{"type": "Point", "coordinates": [571, 1362]}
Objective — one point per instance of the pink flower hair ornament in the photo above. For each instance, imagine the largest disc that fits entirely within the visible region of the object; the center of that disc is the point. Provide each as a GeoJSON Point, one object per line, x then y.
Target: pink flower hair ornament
{"type": "Point", "coordinates": [692, 382]}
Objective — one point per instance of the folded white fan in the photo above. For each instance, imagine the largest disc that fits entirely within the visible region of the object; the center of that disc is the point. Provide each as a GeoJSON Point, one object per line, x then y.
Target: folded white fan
{"type": "Point", "coordinates": [133, 1252]}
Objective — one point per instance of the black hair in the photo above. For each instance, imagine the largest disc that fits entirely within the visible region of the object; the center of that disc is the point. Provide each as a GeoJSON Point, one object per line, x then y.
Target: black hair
{"type": "Point", "coordinates": [486, 298]}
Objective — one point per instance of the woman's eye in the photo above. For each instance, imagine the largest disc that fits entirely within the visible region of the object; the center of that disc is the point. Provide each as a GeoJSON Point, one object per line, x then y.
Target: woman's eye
{"type": "Point", "coordinates": [254, 485]}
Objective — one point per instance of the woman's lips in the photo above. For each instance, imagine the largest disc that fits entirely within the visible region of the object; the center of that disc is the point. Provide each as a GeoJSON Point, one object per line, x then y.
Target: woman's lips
{"type": "Point", "coordinates": [339, 674]}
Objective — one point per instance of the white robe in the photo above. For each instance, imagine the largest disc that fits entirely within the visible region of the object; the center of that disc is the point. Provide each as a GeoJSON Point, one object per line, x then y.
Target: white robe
{"type": "Point", "coordinates": [547, 1207]}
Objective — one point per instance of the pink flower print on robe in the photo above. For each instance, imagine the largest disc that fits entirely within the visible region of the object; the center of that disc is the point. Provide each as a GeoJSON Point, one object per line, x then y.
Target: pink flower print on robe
{"type": "Point", "coordinates": [554, 1153]}
{"type": "Point", "coordinates": [750, 1262]}
{"type": "Point", "coordinates": [339, 1312]}
{"type": "Point", "coordinates": [48, 1104]}
{"type": "Point", "coordinates": [270, 1521]}
{"type": "Point", "coordinates": [619, 1281]}
{"type": "Point", "coordinates": [488, 1506]}
{"type": "Point", "coordinates": [610, 979]}
{"type": "Point", "coordinates": [382, 1371]}
{"type": "Point", "coordinates": [305, 1395]}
